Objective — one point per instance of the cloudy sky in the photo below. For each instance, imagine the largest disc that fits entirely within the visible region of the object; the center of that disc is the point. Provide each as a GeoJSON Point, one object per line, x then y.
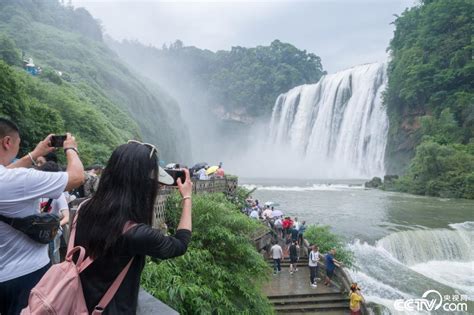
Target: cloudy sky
{"type": "Point", "coordinates": [343, 33]}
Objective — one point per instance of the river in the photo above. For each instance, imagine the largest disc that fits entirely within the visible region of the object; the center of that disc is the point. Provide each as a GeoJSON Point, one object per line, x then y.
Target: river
{"type": "Point", "coordinates": [404, 245]}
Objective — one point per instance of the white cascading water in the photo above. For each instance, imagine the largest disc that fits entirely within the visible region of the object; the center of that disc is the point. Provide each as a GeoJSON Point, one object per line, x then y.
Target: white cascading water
{"type": "Point", "coordinates": [409, 262]}
{"type": "Point", "coordinates": [338, 124]}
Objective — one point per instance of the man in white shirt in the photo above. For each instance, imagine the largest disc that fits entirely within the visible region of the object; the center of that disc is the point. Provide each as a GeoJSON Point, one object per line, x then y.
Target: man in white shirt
{"type": "Point", "coordinates": [23, 261]}
{"type": "Point", "coordinates": [254, 214]}
{"type": "Point", "coordinates": [202, 174]}
{"type": "Point", "coordinates": [277, 254]}
{"type": "Point", "coordinates": [313, 260]}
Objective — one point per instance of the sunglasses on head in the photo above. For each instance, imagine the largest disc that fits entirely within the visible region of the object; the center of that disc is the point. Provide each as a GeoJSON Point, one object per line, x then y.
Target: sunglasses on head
{"type": "Point", "coordinates": [151, 146]}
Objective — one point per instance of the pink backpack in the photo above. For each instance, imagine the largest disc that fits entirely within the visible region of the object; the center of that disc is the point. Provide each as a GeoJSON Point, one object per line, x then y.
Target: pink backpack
{"type": "Point", "coordinates": [60, 290]}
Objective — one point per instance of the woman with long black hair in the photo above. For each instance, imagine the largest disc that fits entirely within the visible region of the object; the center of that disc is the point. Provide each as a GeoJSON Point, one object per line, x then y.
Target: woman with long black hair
{"type": "Point", "coordinates": [126, 193]}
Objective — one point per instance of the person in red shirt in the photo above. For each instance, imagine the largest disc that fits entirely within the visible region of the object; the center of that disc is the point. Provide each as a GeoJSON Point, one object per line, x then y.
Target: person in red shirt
{"type": "Point", "coordinates": [220, 171]}
{"type": "Point", "coordinates": [287, 223]}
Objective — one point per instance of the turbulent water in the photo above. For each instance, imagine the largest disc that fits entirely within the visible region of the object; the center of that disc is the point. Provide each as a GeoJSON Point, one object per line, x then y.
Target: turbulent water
{"type": "Point", "coordinates": [337, 124]}
{"type": "Point", "coordinates": [404, 245]}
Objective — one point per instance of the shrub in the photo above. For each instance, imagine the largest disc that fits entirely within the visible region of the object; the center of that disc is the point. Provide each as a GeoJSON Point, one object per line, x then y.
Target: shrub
{"type": "Point", "coordinates": [221, 273]}
{"type": "Point", "coordinates": [322, 236]}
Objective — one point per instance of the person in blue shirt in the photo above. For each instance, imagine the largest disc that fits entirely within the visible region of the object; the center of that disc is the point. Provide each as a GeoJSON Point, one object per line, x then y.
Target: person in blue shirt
{"type": "Point", "coordinates": [331, 264]}
{"type": "Point", "coordinates": [301, 231]}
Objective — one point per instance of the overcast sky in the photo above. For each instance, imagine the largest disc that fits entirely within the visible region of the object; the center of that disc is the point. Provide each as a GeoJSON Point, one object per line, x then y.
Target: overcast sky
{"type": "Point", "coordinates": [342, 33]}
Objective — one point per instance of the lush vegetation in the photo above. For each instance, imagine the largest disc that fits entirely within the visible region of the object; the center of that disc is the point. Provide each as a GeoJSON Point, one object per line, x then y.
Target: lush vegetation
{"type": "Point", "coordinates": [83, 85]}
{"type": "Point", "coordinates": [322, 236]}
{"type": "Point", "coordinates": [221, 273]}
{"type": "Point", "coordinates": [430, 99]}
{"type": "Point", "coordinates": [243, 80]}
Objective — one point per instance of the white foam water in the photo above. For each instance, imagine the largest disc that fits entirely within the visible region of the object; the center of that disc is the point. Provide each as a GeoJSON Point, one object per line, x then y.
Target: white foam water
{"type": "Point", "coordinates": [314, 187]}
{"type": "Point", "coordinates": [408, 263]}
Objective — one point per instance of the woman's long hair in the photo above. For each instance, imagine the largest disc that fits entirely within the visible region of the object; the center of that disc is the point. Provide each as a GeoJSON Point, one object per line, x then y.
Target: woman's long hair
{"type": "Point", "coordinates": [127, 192]}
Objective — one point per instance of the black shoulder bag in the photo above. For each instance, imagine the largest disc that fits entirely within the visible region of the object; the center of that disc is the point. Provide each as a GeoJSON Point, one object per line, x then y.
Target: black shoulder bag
{"type": "Point", "coordinates": [41, 227]}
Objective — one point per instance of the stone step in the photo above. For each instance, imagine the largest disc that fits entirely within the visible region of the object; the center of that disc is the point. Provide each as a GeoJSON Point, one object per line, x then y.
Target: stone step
{"type": "Point", "coordinates": [306, 295]}
{"type": "Point", "coordinates": [319, 299]}
{"type": "Point", "coordinates": [330, 306]}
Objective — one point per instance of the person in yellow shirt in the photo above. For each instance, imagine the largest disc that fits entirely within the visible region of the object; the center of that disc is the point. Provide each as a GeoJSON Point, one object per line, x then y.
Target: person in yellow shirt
{"type": "Point", "coordinates": [355, 299]}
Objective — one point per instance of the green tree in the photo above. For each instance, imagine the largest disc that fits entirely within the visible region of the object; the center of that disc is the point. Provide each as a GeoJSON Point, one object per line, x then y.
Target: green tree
{"type": "Point", "coordinates": [8, 51]}
{"type": "Point", "coordinates": [429, 98]}
{"type": "Point", "coordinates": [431, 69]}
{"type": "Point", "coordinates": [221, 273]}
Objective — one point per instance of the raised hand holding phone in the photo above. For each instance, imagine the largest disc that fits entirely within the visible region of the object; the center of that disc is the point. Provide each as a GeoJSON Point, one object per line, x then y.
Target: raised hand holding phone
{"type": "Point", "coordinates": [186, 190]}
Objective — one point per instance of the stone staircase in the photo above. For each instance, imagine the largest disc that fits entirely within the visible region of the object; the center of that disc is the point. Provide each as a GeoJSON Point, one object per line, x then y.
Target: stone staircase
{"type": "Point", "coordinates": [292, 293]}
{"type": "Point", "coordinates": [310, 303]}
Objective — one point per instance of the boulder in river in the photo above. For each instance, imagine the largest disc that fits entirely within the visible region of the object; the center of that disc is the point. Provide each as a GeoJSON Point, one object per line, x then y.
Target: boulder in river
{"type": "Point", "coordinates": [374, 183]}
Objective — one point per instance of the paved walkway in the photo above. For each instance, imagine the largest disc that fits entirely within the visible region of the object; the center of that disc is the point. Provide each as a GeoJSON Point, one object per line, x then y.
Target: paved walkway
{"type": "Point", "coordinates": [297, 283]}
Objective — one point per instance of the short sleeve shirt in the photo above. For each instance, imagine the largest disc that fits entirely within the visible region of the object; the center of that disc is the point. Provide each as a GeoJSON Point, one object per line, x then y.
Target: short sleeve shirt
{"type": "Point", "coordinates": [276, 251]}
{"type": "Point", "coordinates": [20, 191]}
{"type": "Point", "coordinates": [330, 262]}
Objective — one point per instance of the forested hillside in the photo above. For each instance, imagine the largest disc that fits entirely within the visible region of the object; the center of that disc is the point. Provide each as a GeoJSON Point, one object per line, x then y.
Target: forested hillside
{"type": "Point", "coordinates": [83, 86]}
{"type": "Point", "coordinates": [242, 81]}
{"type": "Point", "coordinates": [430, 99]}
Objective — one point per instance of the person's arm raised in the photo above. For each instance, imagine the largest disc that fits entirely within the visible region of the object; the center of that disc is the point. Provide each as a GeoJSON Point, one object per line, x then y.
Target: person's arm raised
{"type": "Point", "coordinates": [42, 148]}
{"type": "Point", "coordinates": [75, 169]}
{"type": "Point", "coordinates": [186, 190]}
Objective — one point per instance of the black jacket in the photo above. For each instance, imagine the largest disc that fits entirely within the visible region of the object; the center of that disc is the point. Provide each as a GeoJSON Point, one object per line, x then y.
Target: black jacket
{"type": "Point", "coordinates": [139, 241]}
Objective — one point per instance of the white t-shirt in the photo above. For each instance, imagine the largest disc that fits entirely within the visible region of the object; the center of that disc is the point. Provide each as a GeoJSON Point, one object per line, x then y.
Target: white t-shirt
{"type": "Point", "coordinates": [296, 225]}
{"type": "Point", "coordinates": [276, 252]}
{"type": "Point", "coordinates": [254, 214]}
{"type": "Point", "coordinates": [20, 190]}
{"type": "Point", "coordinates": [313, 259]}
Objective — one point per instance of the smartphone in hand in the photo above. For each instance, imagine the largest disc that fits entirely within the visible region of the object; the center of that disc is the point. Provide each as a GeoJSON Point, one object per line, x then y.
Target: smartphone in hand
{"type": "Point", "coordinates": [58, 141]}
{"type": "Point", "coordinates": [177, 173]}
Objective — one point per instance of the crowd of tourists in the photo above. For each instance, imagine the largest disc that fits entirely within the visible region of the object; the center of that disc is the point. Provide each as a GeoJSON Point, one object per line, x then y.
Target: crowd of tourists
{"type": "Point", "coordinates": [289, 243]}
{"type": "Point", "coordinates": [108, 239]}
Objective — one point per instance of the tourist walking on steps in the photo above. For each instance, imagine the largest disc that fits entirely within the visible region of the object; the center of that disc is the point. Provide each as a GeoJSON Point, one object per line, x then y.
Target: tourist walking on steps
{"type": "Point", "coordinates": [296, 224]}
{"type": "Point", "coordinates": [278, 227]}
{"type": "Point", "coordinates": [331, 264]}
{"type": "Point", "coordinates": [294, 234]}
{"type": "Point", "coordinates": [313, 259]}
{"type": "Point", "coordinates": [355, 299]}
{"type": "Point", "coordinates": [301, 231]}
{"type": "Point", "coordinates": [125, 198]}
{"type": "Point", "coordinates": [24, 261]}
{"type": "Point", "coordinates": [294, 248]}
{"type": "Point", "coordinates": [277, 254]}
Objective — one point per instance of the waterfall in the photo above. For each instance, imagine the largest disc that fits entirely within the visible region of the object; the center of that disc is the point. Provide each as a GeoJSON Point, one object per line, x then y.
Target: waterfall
{"type": "Point", "coordinates": [421, 246]}
{"type": "Point", "coordinates": [405, 263]}
{"type": "Point", "coordinates": [338, 125]}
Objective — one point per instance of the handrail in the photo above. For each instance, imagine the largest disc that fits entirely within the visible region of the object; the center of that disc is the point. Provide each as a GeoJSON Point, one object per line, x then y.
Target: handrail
{"type": "Point", "coordinates": [343, 281]}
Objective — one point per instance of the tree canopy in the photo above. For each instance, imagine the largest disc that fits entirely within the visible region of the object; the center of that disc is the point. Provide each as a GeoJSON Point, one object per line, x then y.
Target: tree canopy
{"type": "Point", "coordinates": [430, 97]}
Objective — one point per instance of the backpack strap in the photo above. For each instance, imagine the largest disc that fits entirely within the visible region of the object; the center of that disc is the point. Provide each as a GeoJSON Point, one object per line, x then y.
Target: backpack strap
{"type": "Point", "coordinates": [90, 260]}
{"type": "Point", "coordinates": [83, 264]}
{"type": "Point", "coordinates": [7, 220]}
{"type": "Point", "coordinates": [46, 206]}
{"type": "Point", "coordinates": [108, 296]}
{"type": "Point", "coordinates": [72, 235]}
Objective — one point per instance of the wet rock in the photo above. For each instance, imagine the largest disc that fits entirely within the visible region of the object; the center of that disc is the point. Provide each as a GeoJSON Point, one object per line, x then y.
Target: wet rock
{"type": "Point", "coordinates": [374, 183]}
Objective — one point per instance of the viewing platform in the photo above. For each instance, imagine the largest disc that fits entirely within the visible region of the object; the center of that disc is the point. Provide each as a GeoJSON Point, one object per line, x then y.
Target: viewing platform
{"type": "Point", "coordinates": [292, 294]}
